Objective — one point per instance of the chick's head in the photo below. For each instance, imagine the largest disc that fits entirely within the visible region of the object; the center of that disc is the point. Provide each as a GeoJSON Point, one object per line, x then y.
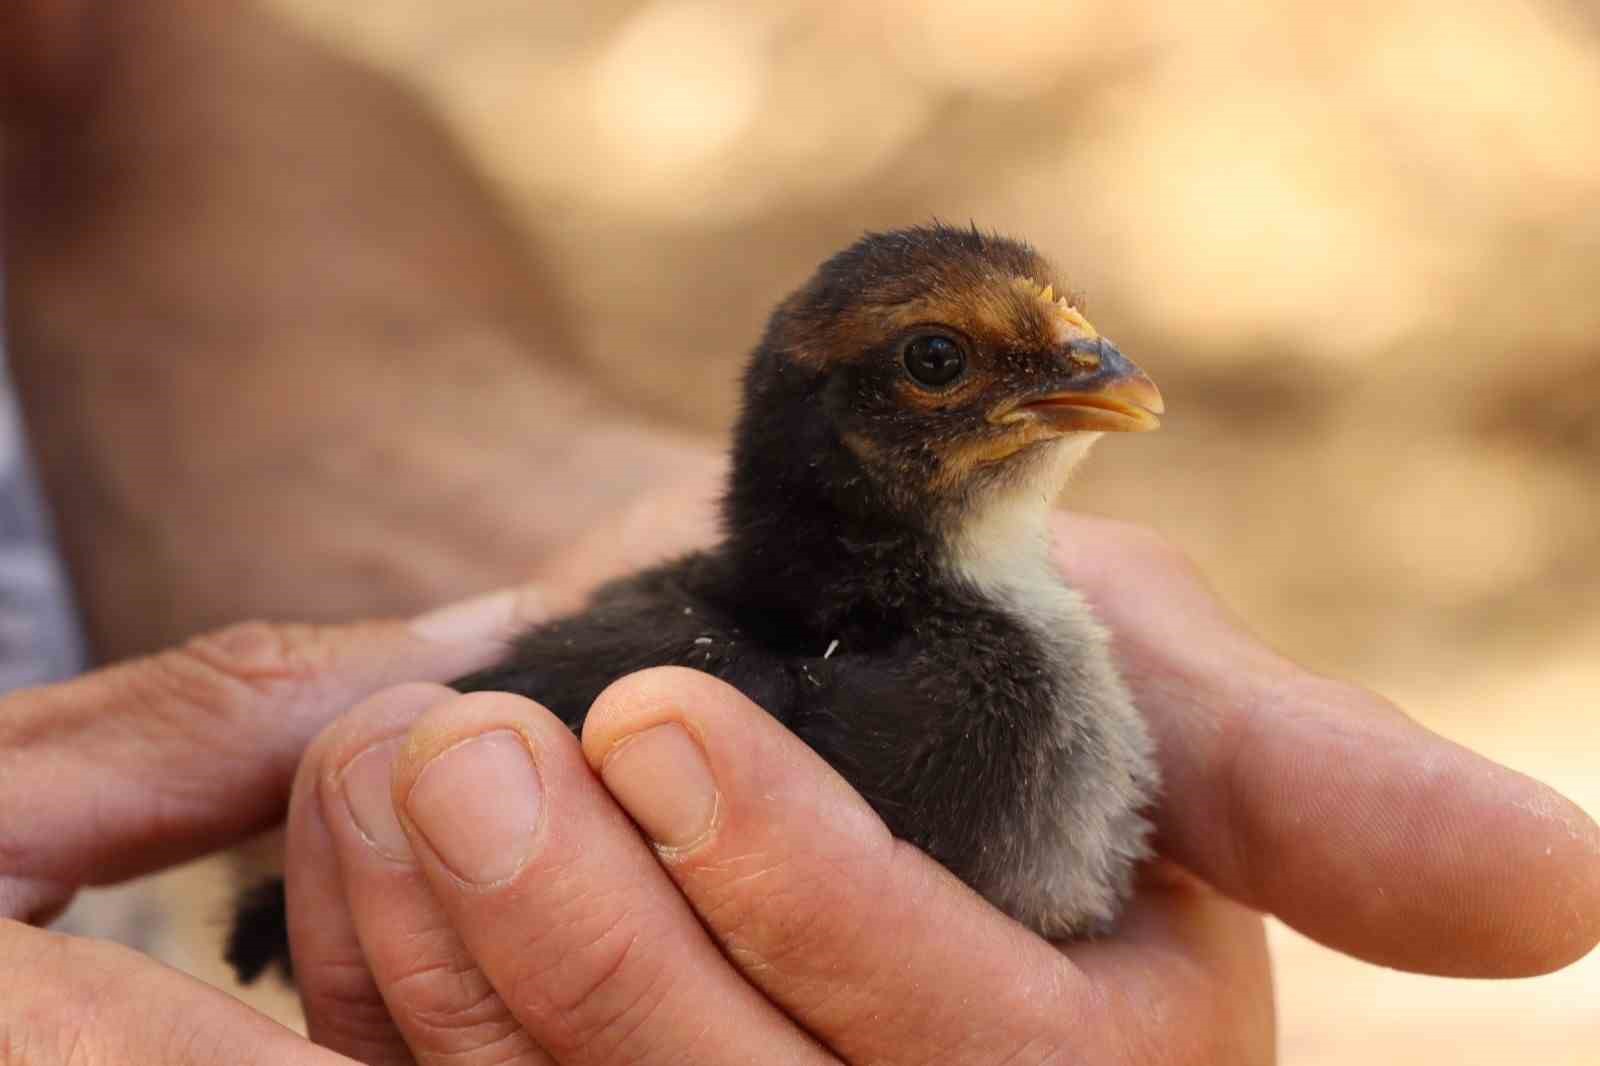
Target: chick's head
{"type": "Point", "coordinates": [927, 369]}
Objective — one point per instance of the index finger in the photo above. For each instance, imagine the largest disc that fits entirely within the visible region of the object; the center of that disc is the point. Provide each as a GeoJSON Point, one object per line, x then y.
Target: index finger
{"type": "Point", "coordinates": [158, 760]}
{"type": "Point", "coordinates": [1324, 804]}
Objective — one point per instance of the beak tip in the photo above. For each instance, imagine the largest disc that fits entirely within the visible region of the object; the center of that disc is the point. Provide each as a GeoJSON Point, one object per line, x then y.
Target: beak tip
{"type": "Point", "coordinates": [1142, 391]}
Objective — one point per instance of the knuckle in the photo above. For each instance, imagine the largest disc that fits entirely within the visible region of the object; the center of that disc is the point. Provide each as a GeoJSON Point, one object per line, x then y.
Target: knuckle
{"type": "Point", "coordinates": [598, 993]}
{"type": "Point", "coordinates": [450, 1007]}
{"type": "Point", "coordinates": [610, 1019]}
{"type": "Point", "coordinates": [223, 675]}
{"type": "Point", "coordinates": [801, 920]}
{"type": "Point", "coordinates": [342, 1001]}
{"type": "Point", "coordinates": [793, 914]}
{"type": "Point", "coordinates": [260, 655]}
{"type": "Point", "coordinates": [445, 994]}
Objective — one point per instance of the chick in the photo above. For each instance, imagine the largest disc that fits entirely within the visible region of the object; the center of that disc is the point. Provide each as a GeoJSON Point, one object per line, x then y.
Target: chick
{"type": "Point", "coordinates": [884, 587]}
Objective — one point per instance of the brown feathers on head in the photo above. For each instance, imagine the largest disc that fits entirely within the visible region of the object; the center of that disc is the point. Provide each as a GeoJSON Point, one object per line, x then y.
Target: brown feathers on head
{"type": "Point", "coordinates": [924, 355]}
{"type": "Point", "coordinates": [997, 291]}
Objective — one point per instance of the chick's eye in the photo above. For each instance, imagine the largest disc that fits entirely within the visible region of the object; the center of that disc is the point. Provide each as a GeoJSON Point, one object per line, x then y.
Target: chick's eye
{"type": "Point", "coordinates": [933, 360]}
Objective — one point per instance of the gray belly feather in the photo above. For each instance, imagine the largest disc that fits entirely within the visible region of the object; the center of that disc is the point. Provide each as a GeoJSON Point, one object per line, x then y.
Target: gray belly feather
{"type": "Point", "coordinates": [1067, 857]}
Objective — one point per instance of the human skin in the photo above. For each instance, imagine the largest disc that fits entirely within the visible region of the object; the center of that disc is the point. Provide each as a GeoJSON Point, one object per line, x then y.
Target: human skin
{"type": "Point", "coordinates": [1287, 792]}
{"type": "Point", "coordinates": [281, 353]}
{"type": "Point", "coordinates": [189, 384]}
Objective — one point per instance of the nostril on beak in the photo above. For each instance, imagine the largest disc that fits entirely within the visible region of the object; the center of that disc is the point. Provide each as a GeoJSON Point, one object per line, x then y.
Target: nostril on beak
{"type": "Point", "coordinates": [1086, 354]}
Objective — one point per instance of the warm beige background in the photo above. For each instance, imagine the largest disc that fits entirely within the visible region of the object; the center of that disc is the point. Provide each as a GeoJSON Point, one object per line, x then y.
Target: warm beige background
{"type": "Point", "coordinates": [1357, 243]}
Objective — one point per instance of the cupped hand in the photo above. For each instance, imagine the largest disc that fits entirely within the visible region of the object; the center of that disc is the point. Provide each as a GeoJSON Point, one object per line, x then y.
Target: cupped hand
{"type": "Point", "coordinates": [158, 760]}
{"type": "Point", "coordinates": [691, 883]}
{"type": "Point", "coordinates": [466, 885]}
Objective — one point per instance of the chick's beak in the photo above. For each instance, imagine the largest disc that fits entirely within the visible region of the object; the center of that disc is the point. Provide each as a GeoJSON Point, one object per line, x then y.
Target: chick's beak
{"type": "Point", "coordinates": [1107, 394]}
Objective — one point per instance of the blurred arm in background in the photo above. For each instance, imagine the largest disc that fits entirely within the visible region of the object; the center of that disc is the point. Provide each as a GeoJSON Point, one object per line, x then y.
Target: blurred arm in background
{"type": "Point", "coordinates": [280, 359]}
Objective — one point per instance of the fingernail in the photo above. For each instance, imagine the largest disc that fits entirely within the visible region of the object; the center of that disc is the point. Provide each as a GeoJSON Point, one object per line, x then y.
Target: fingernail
{"type": "Point", "coordinates": [365, 784]}
{"type": "Point", "coordinates": [492, 616]}
{"type": "Point", "coordinates": [661, 776]}
{"type": "Point", "coordinates": [478, 805]}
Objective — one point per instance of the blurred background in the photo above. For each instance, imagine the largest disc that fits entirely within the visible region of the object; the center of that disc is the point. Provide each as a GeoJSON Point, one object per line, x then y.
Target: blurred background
{"type": "Point", "coordinates": [1356, 243]}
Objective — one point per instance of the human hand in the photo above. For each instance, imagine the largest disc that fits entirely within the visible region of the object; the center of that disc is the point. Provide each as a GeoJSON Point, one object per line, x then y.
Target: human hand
{"type": "Point", "coordinates": [514, 915]}
{"type": "Point", "coordinates": [155, 761]}
{"type": "Point", "coordinates": [1323, 803]}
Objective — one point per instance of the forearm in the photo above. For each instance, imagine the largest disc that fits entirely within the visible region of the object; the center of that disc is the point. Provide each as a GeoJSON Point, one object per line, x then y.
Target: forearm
{"type": "Point", "coordinates": [314, 383]}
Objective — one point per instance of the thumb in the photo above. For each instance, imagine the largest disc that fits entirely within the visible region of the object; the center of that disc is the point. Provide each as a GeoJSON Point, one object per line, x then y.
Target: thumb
{"type": "Point", "coordinates": [158, 760]}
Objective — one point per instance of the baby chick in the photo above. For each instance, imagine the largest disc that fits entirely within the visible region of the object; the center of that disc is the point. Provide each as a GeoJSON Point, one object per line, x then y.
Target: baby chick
{"type": "Point", "coordinates": [884, 587]}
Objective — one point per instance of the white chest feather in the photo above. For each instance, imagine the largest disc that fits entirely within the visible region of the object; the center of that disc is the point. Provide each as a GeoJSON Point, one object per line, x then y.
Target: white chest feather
{"type": "Point", "coordinates": [1081, 832]}
{"type": "Point", "coordinates": [1005, 555]}
{"type": "Point", "coordinates": [1004, 551]}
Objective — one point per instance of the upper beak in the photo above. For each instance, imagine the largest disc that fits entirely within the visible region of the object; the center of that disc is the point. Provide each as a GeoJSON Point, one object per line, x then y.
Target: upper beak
{"type": "Point", "coordinates": [1113, 396]}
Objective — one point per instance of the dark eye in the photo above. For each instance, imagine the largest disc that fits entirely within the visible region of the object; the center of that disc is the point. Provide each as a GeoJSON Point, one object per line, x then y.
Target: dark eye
{"type": "Point", "coordinates": [934, 360]}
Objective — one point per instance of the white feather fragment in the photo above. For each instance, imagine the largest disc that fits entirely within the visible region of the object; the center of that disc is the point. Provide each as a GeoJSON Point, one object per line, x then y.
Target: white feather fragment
{"type": "Point", "coordinates": [831, 649]}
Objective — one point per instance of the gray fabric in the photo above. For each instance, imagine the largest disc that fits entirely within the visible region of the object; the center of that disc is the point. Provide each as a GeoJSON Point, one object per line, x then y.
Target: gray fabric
{"type": "Point", "coordinates": [39, 636]}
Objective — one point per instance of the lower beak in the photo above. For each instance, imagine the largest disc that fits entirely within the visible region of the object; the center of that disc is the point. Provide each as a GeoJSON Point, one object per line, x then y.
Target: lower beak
{"type": "Point", "coordinates": [1115, 396]}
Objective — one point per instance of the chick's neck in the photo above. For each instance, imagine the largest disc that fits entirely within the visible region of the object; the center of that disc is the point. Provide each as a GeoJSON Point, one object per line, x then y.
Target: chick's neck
{"type": "Point", "coordinates": [821, 545]}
